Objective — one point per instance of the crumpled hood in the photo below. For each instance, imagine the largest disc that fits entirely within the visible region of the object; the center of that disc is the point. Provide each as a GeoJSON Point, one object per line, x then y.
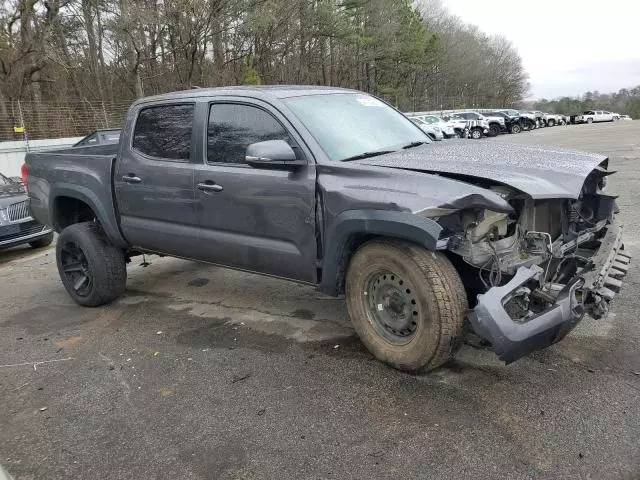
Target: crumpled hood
{"type": "Point", "coordinates": [537, 171]}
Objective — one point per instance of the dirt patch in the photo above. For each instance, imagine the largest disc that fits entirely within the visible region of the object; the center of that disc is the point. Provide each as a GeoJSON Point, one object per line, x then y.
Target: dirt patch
{"type": "Point", "coordinates": [69, 341]}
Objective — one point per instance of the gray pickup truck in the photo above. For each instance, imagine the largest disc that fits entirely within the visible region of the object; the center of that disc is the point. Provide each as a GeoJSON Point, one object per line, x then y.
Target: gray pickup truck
{"type": "Point", "coordinates": [335, 188]}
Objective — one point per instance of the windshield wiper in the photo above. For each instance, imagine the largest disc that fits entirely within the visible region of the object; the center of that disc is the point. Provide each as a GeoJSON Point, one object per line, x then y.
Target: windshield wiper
{"type": "Point", "coordinates": [414, 144]}
{"type": "Point", "coordinates": [360, 156]}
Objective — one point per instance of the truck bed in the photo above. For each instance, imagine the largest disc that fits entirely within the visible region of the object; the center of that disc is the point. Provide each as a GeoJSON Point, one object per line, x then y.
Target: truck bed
{"type": "Point", "coordinates": [80, 173]}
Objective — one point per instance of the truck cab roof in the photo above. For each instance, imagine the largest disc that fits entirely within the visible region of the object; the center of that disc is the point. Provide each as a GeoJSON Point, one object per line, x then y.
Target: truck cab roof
{"type": "Point", "coordinates": [265, 92]}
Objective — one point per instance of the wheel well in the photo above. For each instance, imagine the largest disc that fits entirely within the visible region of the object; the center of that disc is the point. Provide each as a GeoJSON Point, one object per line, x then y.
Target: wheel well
{"type": "Point", "coordinates": [69, 210]}
{"type": "Point", "coordinates": [352, 244]}
{"type": "Point", "coordinates": [350, 247]}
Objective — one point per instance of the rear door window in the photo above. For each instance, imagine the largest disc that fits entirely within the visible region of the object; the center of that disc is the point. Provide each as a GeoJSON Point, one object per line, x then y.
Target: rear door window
{"type": "Point", "coordinates": [164, 132]}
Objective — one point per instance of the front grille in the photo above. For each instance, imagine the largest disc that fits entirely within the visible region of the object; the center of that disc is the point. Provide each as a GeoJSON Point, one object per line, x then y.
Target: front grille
{"type": "Point", "coordinates": [18, 211]}
{"type": "Point", "coordinates": [26, 229]}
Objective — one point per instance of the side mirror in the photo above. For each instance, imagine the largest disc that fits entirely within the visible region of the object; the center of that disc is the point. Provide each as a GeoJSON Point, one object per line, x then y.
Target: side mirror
{"type": "Point", "coordinates": [272, 154]}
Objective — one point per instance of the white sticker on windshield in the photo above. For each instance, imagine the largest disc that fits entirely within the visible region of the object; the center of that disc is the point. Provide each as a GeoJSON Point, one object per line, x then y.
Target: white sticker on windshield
{"type": "Point", "coordinates": [370, 102]}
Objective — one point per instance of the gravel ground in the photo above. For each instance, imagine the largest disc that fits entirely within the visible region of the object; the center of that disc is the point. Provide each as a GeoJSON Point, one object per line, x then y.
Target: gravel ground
{"type": "Point", "coordinates": [203, 373]}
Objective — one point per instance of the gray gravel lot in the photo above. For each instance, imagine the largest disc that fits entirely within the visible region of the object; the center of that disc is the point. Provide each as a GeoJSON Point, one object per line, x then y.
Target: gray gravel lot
{"type": "Point", "coordinates": [203, 373]}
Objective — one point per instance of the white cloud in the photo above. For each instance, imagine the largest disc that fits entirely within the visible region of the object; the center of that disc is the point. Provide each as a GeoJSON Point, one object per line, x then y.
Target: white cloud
{"type": "Point", "coordinates": [567, 46]}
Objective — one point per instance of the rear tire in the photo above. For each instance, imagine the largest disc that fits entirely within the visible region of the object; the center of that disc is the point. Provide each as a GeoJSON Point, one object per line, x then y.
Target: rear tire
{"type": "Point", "coordinates": [476, 133]}
{"type": "Point", "coordinates": [42, 242]}
{"type": "Point", "coordinates": [92, 269]}
{"type": "Point", "coordinates": [494, 130]}
{"type": "Point", "coordinates": [589, 120]}
{"type": "Point", "coordinates": [407, 304]}
{"type": "Point", "coordinates": [551, 122]}
{"type": "Point", "coordinates": [516, 128]}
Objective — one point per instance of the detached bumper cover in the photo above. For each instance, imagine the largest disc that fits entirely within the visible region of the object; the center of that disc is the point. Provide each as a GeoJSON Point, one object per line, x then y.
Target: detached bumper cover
{"type": "Point", "coordinates": [511, 339]}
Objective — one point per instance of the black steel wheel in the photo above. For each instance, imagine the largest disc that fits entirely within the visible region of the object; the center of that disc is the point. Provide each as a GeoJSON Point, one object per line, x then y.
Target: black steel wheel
{"type": "Point", "coordinates": [392, 306]}
{"type": "Point", "coordinates": [92, 269]}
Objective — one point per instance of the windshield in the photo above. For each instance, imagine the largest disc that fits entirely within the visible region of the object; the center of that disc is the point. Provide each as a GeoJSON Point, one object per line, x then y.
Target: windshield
{"type": "Point", "coordinates": [431, 119]}
{"type": "Point", "coordinates": [347, 125]}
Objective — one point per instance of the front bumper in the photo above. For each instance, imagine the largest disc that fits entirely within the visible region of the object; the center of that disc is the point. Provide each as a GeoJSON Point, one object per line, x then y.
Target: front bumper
{"type": "Point", "coordinates": [511, 339]}
{"type": "Point", "coordinates": [22, 232]}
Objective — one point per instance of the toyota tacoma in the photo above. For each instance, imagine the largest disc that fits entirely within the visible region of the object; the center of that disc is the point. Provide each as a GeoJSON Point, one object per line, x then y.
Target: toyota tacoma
{"type": "Point", "coordinates": [337, 189]}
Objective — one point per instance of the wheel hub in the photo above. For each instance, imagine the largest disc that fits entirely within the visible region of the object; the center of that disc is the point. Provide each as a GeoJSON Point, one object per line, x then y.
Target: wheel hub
{"type": "Point", "coordinates": [393, 307]}
{"type": "Point", "coordinates": [76, 268]}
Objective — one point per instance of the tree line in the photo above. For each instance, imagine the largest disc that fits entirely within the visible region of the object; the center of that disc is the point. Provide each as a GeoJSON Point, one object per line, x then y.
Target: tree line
{"type": "Point", "coordinates": [625, 102]}
{"type": "Point", "coordinates": [415, 54]}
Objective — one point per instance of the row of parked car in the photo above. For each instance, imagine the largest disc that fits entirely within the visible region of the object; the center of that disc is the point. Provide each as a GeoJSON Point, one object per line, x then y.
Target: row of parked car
{"type": "Point", "coordinates": [492, 122]}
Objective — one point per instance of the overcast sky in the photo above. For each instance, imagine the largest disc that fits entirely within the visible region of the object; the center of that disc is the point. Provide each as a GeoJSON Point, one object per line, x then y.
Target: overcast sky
{"type": "Point", "coordinates": [567, 46]}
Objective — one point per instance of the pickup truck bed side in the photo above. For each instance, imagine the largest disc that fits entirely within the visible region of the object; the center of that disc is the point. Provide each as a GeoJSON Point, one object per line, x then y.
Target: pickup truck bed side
{"type": "Point", "coordinates": [77, 185]}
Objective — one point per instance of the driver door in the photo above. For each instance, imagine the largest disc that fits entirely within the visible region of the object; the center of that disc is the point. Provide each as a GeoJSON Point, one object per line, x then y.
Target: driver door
{"type": "Point", "coordinates": [255, 219]}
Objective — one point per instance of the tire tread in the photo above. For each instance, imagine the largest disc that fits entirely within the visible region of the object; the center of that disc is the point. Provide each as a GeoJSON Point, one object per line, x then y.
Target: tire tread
{"type": "Point", "coordinates": [110, 281]}
{"type": "Point", "coordinates": [445, 285]}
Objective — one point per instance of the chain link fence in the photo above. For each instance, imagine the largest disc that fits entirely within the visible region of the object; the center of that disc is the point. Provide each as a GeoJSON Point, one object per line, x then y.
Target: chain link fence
{"type": "Point", "coordinates": [30, 120]}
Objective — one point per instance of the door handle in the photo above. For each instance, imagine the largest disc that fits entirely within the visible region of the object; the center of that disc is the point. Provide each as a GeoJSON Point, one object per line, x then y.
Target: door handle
{"type": "Point", "coordinates": [131, 178]}
{"type": "Point", "coordinates": [210, 187]}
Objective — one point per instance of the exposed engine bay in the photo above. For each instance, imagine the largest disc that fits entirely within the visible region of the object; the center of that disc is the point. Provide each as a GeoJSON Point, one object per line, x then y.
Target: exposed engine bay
{"type": "Point", "coordinates": [534, 240]}
{"type": "Point", "coordinates": [556, 241]}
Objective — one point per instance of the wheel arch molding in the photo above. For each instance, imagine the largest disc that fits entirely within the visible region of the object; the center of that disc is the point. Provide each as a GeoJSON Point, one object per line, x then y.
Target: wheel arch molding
{"type": "Point", "coordinates": [352, 228]}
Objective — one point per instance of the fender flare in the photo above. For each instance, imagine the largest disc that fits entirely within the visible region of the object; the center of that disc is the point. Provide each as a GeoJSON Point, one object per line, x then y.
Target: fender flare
{"type": "Point", "coordinates": [106, 215]}
{"type": "Point", "coordinates": [393, 224]}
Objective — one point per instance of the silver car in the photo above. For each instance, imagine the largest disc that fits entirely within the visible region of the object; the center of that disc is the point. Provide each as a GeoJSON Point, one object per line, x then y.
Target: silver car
{"type": "Point", "coordinates": [16, 224]}
{"type": "Point", "coordinates": [434, 131]}
{"type": "Point", "coordinates": [447, 128]}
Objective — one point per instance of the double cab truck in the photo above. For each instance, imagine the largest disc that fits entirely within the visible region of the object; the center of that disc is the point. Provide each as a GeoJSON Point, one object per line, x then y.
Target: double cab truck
{"type": "Point", "coordinates": [336, 189]}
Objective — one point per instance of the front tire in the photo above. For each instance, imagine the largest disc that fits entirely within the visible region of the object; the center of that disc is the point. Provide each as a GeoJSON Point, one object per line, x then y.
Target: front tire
{"type": "Point", "coordinates": [589, 120]}
{"type": "Point", "coordinates": [407, 304]}
{"type": "Point", "coordinates": [494, 130]}
{"type": "Point", "coordinates": [516, 128]}
{"type": "Point", "coordinates": [42, 242]}
{"type": "Point", "coordinates": [551, 123]}
{"type": "Point", "coordinates": [92, 269]}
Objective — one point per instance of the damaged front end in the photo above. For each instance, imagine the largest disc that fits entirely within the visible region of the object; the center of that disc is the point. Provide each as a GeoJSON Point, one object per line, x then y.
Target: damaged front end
{"type": "Point", "coordinates": [540, 268]}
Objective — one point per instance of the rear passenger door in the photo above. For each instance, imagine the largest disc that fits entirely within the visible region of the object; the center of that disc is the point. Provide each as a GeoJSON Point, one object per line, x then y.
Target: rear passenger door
{"type": "Point", "coordinates": [154, 180]}
{"type": "Point", "coordinates": [257, 219]}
